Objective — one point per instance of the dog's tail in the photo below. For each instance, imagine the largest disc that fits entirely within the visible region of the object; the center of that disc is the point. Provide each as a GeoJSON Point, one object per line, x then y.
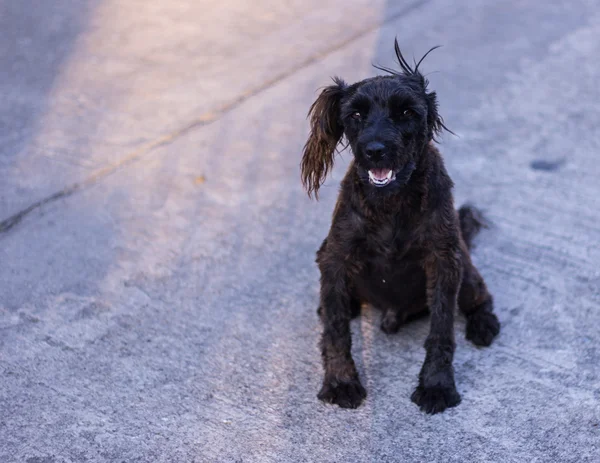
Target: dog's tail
{"type": "Point", "coordinates": [471, 221]}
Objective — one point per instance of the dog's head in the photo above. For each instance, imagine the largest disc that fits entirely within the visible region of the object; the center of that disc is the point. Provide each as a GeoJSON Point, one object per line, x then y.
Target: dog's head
{"type": "Point", "coordinates": [387, 121]}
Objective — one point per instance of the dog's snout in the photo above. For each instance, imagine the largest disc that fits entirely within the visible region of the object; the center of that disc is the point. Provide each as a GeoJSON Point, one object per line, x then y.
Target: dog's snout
{"type": "Point", "coordinates": [375, 149]}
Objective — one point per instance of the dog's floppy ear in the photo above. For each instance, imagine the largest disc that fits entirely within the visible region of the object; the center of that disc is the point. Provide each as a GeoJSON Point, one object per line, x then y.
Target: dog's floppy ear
{"type": "Point", "coordinates": [435, 123]}
{"type": "Point", "coordinates": [326, 130]}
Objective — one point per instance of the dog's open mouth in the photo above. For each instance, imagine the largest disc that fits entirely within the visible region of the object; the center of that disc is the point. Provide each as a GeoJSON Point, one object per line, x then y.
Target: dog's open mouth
{"type": "Point", "coordinates": [381, 177]}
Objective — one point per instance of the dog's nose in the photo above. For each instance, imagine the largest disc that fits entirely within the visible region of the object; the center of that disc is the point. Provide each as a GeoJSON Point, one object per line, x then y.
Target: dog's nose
{"type": "Point", "coordinates": [374, 149]}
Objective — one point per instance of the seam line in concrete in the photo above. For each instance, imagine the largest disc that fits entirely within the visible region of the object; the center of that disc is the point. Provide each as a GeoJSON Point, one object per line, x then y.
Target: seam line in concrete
{"type": "Point", "coordinates": [203, 120]}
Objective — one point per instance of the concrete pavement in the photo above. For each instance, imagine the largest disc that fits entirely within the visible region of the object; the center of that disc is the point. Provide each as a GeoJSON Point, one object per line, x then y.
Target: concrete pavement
{"type": "Point", "coordinates": [159, 304]}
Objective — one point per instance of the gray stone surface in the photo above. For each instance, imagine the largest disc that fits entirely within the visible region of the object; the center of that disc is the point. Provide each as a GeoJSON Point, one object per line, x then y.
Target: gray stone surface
{"type": "Point", "coordinates": [165, 311]}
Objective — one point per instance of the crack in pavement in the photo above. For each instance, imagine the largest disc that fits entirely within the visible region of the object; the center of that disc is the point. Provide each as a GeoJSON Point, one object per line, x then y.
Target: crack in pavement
{"type": "Point", "coordinates": [203, 120]}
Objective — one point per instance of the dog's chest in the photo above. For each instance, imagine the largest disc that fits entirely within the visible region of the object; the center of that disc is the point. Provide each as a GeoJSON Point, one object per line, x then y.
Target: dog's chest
{"type": "Point", "coordinates": [390, 241]}
{"type": "Point", "coordinates": [391, 250]}
{"type": "Point", "coordinates": [392, 267]}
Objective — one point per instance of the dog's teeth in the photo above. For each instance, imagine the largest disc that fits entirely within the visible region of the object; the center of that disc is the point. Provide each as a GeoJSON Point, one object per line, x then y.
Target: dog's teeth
{"type": "Point", "coordinates": [381, 181]}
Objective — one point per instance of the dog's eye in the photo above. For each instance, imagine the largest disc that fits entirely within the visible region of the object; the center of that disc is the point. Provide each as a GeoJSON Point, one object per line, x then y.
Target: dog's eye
{"type": "Point", "coordinates": [408, 113]}
{"type": "Point", "coordinates": [356, 116]}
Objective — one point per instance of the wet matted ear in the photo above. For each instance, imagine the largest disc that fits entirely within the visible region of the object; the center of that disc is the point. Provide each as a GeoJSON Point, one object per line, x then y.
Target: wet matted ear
{"type": "Point", "coordinates": [435, 123]}
{"type": "Point", "coordinates": [326, 130]}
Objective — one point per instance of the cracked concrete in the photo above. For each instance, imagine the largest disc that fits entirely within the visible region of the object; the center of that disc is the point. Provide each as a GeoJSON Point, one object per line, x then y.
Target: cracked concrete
{"type": "Point", "coordinates": [164, 310]}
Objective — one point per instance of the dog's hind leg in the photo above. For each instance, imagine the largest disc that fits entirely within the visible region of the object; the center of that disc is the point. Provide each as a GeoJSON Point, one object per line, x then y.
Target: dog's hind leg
{"type": "Point", "coordinates": [475, 301]}
{"type": "Point", "coordinates": [394, 318]}
{"type": "Point", "coordinates": [471, 222]}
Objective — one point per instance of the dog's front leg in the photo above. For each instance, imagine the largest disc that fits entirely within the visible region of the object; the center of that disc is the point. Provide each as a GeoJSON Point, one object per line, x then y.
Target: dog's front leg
{"type": "Point", "coordinates": [436, 390]}
{"type": "Point", "coordinates": [341, 384]}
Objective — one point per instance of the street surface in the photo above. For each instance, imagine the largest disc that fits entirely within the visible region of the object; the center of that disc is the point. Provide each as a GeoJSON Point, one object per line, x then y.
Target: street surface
{"type": "Point", "coordinates": [158, 289]}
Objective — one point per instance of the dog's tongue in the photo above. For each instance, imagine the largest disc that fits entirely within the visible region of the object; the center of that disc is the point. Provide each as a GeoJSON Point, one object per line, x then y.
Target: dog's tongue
{"type": "Point", "coordinates": [380, 174]}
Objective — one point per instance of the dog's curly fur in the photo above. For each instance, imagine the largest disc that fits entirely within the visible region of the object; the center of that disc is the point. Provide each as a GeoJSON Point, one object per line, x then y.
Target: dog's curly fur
{"type": "Point", "coordinates": [400, 246]}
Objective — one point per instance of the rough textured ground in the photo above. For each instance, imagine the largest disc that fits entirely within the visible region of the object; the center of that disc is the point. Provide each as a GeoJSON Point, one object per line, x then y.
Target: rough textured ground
{"type": "Point", "coordinates": [161, 307]}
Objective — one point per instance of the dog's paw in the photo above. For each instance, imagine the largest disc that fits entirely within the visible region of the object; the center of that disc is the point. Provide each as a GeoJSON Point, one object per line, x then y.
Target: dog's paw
{"type": "Point", "coordinates": [346, 394]}
{"type": "Point", "coordinates": [482, 328]}
{"type": "Point", "coordinates": [435, 399]}
{"type": "Point", "coordinates": [390, 323]}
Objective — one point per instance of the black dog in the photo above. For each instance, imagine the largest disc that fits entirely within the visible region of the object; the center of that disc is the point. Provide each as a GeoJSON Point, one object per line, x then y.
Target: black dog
{"type": "Point", "coordinates": [396, 240]}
